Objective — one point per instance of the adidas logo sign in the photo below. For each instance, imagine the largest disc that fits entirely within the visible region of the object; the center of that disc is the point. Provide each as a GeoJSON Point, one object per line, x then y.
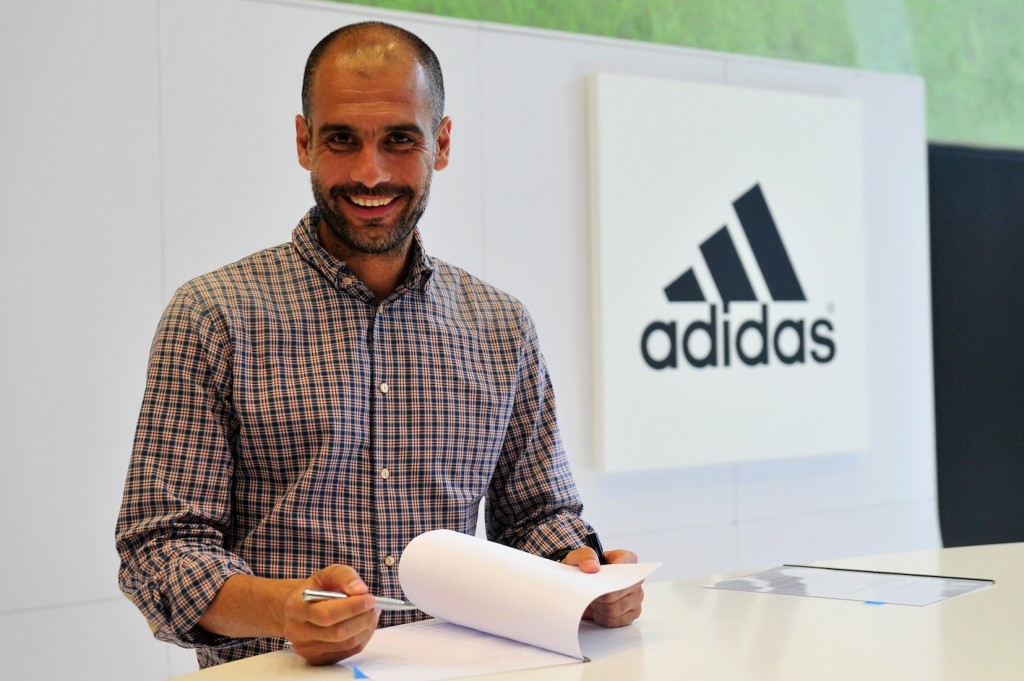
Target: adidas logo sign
{"type": "Point", "coordinates": [710, 342]}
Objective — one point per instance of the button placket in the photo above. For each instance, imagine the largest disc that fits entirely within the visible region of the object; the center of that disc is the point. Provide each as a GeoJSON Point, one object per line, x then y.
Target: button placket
{"type": "Point", "coordinates": [383, 386]}
{"type": "Point", "coordinates": [389, 560]}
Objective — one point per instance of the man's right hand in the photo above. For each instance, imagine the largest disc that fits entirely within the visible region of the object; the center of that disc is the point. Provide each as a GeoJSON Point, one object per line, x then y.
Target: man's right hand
{"type": "Point", "coordinates": [327, 631]}
{"type": "Point", "coordinates": [322, 632]}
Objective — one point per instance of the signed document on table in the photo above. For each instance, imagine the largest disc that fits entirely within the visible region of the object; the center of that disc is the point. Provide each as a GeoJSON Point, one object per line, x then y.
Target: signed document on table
{"type": "Point", "coordinates": [496, 609]}
{"type": "Point", "coordinates": [871, 587]}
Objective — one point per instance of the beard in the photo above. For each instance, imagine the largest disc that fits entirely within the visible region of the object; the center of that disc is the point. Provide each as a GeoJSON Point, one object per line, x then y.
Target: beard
{"type": "Point", "coordinates": [329, 202]}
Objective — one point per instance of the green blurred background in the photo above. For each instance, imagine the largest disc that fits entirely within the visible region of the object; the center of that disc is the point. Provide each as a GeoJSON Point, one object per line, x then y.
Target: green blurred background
{"type": "Point", "coordinates": [970, 52]}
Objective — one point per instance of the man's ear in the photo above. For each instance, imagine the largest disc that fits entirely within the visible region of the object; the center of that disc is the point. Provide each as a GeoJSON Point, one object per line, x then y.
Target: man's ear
{"type": "Point", "coordinates": [302, 141]}
{"type": "Point", "coordinates": [443, 144]}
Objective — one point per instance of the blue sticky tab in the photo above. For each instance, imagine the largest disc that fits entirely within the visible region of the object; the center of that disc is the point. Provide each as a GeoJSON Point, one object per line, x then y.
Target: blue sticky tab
{"type": "Point", "coordinates": [357, 673]}
{"type": "Point", "coordinates": [874, 602]}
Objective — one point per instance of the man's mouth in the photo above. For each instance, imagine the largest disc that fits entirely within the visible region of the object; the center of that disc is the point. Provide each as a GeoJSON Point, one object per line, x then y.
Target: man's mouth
{"type": "Point", "coordinates": [371, 201]}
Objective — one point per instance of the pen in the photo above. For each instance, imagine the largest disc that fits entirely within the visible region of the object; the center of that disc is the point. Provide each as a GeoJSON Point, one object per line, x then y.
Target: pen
{"type": "Point", "coordinates": [383, 603]}
{"type": "Point", "coordinates": [595, 543]}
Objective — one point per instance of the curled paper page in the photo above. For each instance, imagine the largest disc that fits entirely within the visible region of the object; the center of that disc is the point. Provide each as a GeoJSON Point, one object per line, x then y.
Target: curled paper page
{"type": "Point", "coordinates": [479, 584]}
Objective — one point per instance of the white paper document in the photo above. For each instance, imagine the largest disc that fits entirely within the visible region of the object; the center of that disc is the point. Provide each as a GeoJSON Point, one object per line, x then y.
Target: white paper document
{"type": "Point", "coordinates": [502, 609]}
{"type": "Point", "coordinates": [876, 588]}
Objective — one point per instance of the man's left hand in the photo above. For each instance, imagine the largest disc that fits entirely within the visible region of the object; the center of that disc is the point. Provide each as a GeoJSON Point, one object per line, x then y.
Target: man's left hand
{"type": "Point", "coordinates": [615, 609]}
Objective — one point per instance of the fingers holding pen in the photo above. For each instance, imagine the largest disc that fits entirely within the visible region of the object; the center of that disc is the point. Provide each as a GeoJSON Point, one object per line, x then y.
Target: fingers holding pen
{"type": "Point", "coordinates": [327, 631]}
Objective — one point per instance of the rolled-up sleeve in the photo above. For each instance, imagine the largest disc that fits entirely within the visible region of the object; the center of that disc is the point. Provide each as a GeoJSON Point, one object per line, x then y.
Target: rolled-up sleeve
{"type": "Point", "coordinates": [176, 508]}
{"type": "Point", "coordinates": [533, 503]}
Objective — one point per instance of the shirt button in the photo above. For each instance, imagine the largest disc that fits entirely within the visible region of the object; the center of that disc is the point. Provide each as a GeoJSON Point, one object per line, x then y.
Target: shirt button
{"type": "Point", "coordinates": [346, 280]}
{"type": "Point", "coordinates": [384, 388]}
{"type": "Point", "coordinates": [385, 473]}
{"type": "Point", "coordinates": [389, 560]}
{"type": "Point", "coordinates": [380, 309]}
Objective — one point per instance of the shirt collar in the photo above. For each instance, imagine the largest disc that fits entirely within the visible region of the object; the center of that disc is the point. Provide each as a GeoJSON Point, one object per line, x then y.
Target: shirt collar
{"type": "Point", "coordinates": [307, 243]}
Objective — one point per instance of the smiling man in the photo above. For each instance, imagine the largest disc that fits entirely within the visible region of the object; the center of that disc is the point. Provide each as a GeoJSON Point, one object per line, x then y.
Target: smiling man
{"type": "Point", "coordinates": [371, 134]}
{"type": "Point", "coordinates": [312, 408]}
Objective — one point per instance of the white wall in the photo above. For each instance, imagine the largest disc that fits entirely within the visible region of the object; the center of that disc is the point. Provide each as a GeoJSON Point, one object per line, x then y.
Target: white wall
{"type": "Point", "coordinates": [80, 293]}
{"type": "Point", "coordinates": [146, 141]}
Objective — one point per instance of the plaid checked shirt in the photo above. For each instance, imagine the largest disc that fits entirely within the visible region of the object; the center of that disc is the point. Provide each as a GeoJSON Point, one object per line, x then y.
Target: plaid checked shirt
{"type": "Point", "coordinates": [291, 421]}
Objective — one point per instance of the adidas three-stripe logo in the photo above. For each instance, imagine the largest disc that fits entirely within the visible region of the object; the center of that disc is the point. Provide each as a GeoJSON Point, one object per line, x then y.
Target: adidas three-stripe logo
{"type": "Point", "coordinates": [724, 262]}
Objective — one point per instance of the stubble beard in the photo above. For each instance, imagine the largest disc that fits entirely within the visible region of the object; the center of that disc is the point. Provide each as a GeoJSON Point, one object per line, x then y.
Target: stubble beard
{"type": "Point", "coordinates": [329, 203]}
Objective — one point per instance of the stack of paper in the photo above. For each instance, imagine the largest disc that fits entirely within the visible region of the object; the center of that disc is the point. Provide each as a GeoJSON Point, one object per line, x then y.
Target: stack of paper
{"type": "Point", "coordinates": [498, 609]}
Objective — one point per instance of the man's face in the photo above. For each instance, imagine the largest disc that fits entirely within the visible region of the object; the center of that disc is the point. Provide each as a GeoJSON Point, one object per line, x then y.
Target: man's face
{"type": "Point", "coordinates": [371, 149]}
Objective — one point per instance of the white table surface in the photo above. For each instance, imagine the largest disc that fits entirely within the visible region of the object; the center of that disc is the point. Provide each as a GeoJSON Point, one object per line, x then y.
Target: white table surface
{"type": "Point", "coordinates": [689, 632]}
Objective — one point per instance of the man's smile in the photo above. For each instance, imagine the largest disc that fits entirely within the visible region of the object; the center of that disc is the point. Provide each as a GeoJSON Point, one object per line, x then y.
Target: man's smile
{"type": "Point", "coordinates": [371, 202]}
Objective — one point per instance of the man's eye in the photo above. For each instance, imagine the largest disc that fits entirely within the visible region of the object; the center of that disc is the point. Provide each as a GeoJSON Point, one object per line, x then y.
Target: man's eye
{"type": "Point", "coordinates": [339, 140]}
{"type": "Point", "coordinates": [402, 139]}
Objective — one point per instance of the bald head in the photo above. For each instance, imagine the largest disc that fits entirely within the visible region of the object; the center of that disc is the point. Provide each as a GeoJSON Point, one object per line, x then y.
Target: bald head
{"type": "Point", "coordinates": [370, 45]}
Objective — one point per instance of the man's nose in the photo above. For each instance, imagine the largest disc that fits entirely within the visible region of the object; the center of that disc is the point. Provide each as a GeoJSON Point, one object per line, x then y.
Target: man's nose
{"type": "Point", "coordinates": [370, 167]}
